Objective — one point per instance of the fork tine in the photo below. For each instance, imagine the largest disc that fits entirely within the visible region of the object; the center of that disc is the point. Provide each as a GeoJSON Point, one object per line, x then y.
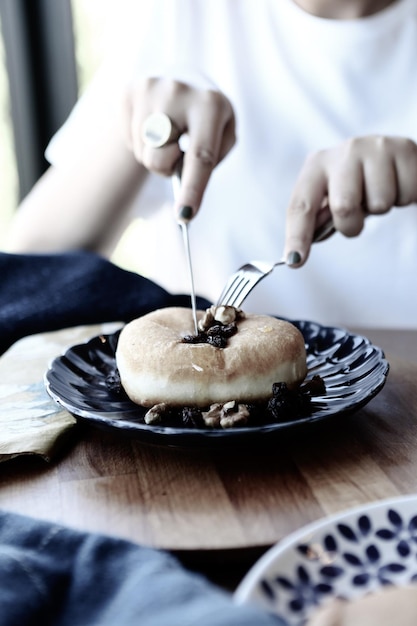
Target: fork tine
{"type": "Point", "coordinates": [239, 296]}
{"type": "Point", "coordinates": [241, 283]}
{"type": "Point", "coordinates": [230, 289]}
{"type": "Point", "coordinates": [239, 288]}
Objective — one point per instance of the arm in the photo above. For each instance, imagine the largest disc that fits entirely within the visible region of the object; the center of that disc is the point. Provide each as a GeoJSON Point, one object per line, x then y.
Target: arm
{"type": "Point", "coordinates": [83, 204]}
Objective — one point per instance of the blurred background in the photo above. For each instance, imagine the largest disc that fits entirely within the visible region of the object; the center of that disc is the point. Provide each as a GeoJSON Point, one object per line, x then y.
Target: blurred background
{"type": "Point", "coordinates": [49, 50]}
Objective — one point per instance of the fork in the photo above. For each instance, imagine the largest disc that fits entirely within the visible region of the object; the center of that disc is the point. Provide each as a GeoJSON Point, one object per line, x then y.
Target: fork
{"type": "Point", "coordinates": [241, 283]}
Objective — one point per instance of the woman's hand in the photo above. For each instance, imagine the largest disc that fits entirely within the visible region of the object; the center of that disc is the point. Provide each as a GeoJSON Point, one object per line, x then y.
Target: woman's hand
{"type": "Point", "coordinates": [204, 114]}
{"type": "Point", "coordinates": [365, 175]}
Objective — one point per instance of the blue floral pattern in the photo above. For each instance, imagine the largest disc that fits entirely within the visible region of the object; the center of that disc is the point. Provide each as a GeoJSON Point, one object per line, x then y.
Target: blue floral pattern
{"type": "Point", "coordinates": [345, 556]}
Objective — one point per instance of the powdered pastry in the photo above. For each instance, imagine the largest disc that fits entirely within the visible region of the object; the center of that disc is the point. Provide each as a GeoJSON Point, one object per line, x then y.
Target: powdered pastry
{"type": "Point", "coordinates": [157, 366]}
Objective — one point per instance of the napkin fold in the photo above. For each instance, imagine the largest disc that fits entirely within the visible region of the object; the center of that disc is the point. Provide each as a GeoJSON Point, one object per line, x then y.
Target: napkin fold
{"type": "Point", "coordinates": [50, 574]}
{"type": "Point", "coordinates": [45, 292]}
{"type": "Point", "coordinates": [42, 293]}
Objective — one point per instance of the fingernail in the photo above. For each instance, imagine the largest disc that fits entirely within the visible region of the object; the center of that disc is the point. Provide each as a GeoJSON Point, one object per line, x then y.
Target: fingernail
{"type": "Point", "coordinates": [293, 258]}
{"type": "Point", "coordinates": [185, 213]}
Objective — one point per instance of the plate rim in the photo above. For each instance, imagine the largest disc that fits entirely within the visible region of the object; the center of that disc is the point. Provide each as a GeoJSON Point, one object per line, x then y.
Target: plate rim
{"type": "Point", "coordinates": [247, 586]}
{"type": "Point", "coordinates": [195, 434]}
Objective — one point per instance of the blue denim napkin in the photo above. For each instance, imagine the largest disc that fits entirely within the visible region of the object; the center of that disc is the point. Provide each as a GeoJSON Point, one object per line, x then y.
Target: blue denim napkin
{"type": "Point", "coordinates": [46, 292]}
{"type": "Point", "coordinates": [51, 575]}
{"type": "Point", "coordinates": [54, 576]}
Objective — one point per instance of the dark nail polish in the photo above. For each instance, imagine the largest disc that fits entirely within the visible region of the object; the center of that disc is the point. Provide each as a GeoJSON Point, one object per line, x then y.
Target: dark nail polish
{"type": "Point", "coordinates": [293, 258]}
{"type": "Point", "coordinates": [185, 213]}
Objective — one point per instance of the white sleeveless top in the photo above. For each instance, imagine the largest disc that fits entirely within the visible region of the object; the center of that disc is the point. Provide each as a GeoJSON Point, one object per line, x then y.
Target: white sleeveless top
{"type": "Point", "coordinates": [298, 84]}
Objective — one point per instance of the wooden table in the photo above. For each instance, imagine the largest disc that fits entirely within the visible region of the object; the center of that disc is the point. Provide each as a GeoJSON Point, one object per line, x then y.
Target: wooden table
{"type": "Point", "coordinates": [227, 506]}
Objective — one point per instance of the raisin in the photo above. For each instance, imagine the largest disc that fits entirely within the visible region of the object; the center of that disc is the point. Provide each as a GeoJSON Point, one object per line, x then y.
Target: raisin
{"type": "Point", "coordinates": [200, 338]}
{"type": "Point", "coordinates": [257, 413]}
{"type": "Point", "coordinates": [287, 404]}
{"type": "Point", "coordinates": [279, 389]}
{"type": "Point", "coordinates": [192, 417]}
{"type": "Point", "coordinates": [113, 382]}
{"type": "Point", "coordinates": [229, 330]}
{"type": "Point", "coordinates": [314, 387]}
{"type": "Point", "coordinates": [217, 341]}
{"type": "Point", "coordinates": [278, 409]}
{"type": "Point", "coordinates": [216, 329]}
{"type": "Point", "coordinates": [216, 335]}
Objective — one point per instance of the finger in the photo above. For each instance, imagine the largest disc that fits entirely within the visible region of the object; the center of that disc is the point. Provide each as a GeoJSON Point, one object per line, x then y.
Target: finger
{"type": "Point", "coordinates": [324, 223]}
{"type": "Point", "coordinates": [380, 182]}
{"type": "Point", "coordinates": [161, 160]}
{"type": "Point", "coordinates": [158, 159]}
{"type": "Point", "coordinates": [153, 117]}
{"type": "Point", "coordinates": [229, 138]}
{"type": "Point", "coordinates": [211, 136]}
{"type": "Point", "coordinates": [405, 163]}
{"type": "Point", "coordinates": [346, 193]}
{"type": "Point", "coordinates": [306, 203]}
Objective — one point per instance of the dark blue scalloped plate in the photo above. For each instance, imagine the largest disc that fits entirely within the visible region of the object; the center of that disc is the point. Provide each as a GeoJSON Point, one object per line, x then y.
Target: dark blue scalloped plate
{"type": "Point", "coordinates": [347, 555]}
{"type": "Point", "coordinates": [353, 369]}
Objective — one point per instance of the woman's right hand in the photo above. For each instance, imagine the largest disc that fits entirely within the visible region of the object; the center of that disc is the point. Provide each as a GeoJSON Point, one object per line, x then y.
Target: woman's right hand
{"type": "Point", "coordinates": [359, 177]}
{"type": "Point", "coordinates": [205, 115]}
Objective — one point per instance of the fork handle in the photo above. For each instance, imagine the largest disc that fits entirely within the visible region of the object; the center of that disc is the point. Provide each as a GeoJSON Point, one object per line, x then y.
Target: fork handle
{"type": "Point", "coordinates": [325, 230]}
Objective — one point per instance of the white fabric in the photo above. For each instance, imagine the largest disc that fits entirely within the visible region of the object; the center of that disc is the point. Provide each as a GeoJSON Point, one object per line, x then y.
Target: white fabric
{"type": "Point", "coordinates": [298, 83]}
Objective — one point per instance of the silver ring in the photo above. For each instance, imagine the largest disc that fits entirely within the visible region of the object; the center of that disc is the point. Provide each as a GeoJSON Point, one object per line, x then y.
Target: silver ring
{"type": "Point", "coordinates": [158, 130]}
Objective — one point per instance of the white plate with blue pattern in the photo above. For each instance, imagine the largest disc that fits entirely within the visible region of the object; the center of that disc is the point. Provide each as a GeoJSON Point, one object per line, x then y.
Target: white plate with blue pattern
{"type": "Point", "coordinates": [346, 556]}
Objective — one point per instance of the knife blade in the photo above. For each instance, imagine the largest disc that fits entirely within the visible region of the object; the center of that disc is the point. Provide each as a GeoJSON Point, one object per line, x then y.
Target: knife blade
{"type": "Point", "coordinates": [183, 222]}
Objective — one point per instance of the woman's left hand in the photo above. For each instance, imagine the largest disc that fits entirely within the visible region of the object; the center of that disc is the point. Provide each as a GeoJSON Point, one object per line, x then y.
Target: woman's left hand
{"type": "Point", "coordinates": [364, 175]}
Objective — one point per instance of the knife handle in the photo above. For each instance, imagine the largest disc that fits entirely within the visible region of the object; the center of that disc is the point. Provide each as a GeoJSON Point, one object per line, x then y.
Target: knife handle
{"type": "Point", "coordinates": [186, 213]}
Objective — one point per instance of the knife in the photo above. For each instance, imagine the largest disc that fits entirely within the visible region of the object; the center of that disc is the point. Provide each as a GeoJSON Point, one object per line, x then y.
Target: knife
{"type": "Point", "coordinates": [183, 222]}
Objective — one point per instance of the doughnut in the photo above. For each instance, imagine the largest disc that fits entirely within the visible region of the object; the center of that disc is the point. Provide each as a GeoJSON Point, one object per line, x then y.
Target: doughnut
{"type": "Point", "coordinates": [156, 365]}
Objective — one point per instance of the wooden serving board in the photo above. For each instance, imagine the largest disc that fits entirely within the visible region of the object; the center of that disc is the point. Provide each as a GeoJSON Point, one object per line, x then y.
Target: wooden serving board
{"type": "Point", "coordinates": [193, 500]}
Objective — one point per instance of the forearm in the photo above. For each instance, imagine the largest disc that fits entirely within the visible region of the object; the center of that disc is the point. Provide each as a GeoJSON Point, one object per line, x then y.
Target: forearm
{"type": "Point", "coordinates": [83, 204]}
